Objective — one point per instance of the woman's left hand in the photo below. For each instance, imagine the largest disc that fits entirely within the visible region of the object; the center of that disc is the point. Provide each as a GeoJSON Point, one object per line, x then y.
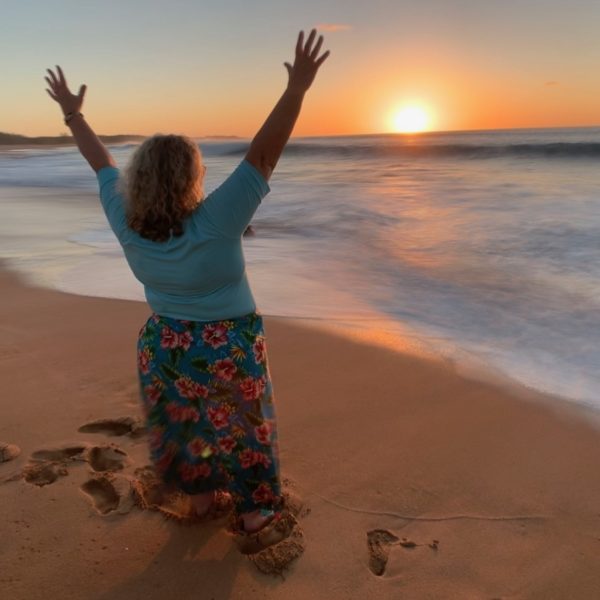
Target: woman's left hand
{"type": "Point", "coordinates": [59, 92]}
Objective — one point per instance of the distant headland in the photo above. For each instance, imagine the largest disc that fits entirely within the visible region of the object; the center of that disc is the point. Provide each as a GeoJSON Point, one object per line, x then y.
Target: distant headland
{"type": "Point", "coordinates": [14, 139]}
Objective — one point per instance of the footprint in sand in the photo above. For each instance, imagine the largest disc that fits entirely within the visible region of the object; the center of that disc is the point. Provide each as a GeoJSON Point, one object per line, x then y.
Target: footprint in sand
{"type": "Point", "coordinates": [379, 542]}
{"type": "Point", "coordinates": [47, 465]}
{"type": "Point", "coordinates": [8, 452]}
{"type": "Point", "coordinates": [60, 454]}
{"type": "Point", "coordinates": [109, 493]}
{"type": "Point", "coordinates": [106, 458]}
{"type": "Point", "coordinates": [103, 494]}
{"type": "Point", "coordinates": [43, 473]}
{"type": "Point", "coordinates": [119, 426]}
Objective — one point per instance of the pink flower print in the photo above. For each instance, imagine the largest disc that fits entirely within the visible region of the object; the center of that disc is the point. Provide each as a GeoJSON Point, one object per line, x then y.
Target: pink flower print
{"type": "Point", "coordinates": [144, 357]}
{"type": "Point", "coordinates": [261, 459]}
{"type": "Point", "coordinates": [193, 472]}
{"type": "Point", "coordinates": [252, 389]}
{"type": "Point", "coordinates": [215, 335]}
{"type": "Point", "coordinates": [249, 458]}
{"type": "Point", "coordinates": [168, 338]}
{"type": "Point", "coordinates": [173, 411]}
{"type": "Point", "coordinates": [190, 389]}
{"type": "Point", "coordinates": [263, 433]}
{"type": "Point", "coordinates": [246, 458]}
{"type": "Point", "coordinates": [227, 444]}
{"type": "Point", "coordinates": [152, 394]}
{"type": "Point", "coordinates": [263, 494]}
{"type": "Point", "coordinates": [200, 447]}
{"type": "Point", "coordinates": [224, 369]}
{"type": "Point", "coordinates": [219, 417]}
{"type": "Point", "coordinates": [247, 387]}
{"type": "Point", "coordinates": [179, 414]}
{"type": "Point", "coordinates": [189, 413]}
{"type": "Point", "coordinates": [185, 340]}
{"type": "Point", "coordinates": [259, 350]}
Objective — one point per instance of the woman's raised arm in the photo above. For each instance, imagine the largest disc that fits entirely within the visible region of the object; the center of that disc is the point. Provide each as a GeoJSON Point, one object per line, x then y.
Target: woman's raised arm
{"type": "Point", "coordinates": [269, 142]}
{"type": "Point", "coordinates": [92, 149]}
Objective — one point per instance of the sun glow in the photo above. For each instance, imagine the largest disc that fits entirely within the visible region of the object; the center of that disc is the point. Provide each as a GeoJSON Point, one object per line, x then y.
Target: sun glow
{"type": "Point", "coordinates": [410, 119]}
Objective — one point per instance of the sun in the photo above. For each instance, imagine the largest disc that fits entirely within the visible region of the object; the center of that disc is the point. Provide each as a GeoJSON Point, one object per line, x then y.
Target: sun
{"type": "Point", "coordinates": [410, 119]}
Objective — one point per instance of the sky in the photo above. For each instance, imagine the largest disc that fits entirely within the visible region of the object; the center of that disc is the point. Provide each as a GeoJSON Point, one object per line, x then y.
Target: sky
{"type": "Point", "coordinates": [215, 67]}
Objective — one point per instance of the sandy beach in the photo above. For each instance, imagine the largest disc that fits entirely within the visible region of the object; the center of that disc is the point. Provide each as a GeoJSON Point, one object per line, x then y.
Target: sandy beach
{"type": "Point", "coordinates": [416, 482]}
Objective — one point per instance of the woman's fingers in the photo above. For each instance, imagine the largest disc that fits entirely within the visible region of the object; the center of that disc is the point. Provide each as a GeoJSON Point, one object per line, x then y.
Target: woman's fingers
{"type": "Point", "coordinates": [299, 43]}
{"type": "Point", "coordinates": [323, 58]}
{"type": "Point", "coordinates": [306, 54]}
{"type": "Point", "coordinates": [317, 47]}
{"type": "Point", "coordinates": [52, 95]}
{"type": "Point", "coordinates": [61, 76]}
{"type": "Point", "coordinates": [309, 42]}
{"type": "Point", "coordinates": [53, 77]}
{"type": "Point", "coordinates": [58, 84]}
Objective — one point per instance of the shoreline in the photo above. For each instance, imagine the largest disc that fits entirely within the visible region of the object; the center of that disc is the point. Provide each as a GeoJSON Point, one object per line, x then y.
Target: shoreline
{"type": "Point", "coordinates": [371, 440]}
{"type": "Point", "coordinates": [361, 330]}
{"type": "Point", "coordinates": [466, 365]}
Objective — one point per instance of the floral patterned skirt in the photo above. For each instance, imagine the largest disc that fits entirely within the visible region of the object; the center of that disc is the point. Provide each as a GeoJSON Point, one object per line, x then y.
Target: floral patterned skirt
{"type": "Point", "coordinates": [208, 399]}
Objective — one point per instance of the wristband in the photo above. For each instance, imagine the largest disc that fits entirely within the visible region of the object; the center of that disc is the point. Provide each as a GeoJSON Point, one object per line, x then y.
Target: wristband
{"type": "Point", "coordinates": [71, 115]}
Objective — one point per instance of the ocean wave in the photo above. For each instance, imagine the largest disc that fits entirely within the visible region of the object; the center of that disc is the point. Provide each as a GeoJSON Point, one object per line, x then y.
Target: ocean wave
{"type": "Point", "coordinates": [562, 150]}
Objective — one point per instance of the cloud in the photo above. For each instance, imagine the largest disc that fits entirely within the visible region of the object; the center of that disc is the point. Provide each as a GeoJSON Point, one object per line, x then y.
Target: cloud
{"type": "Point", "coordinates": [331, 27]}
{"type": "Point", "coordinates": [551, 83]}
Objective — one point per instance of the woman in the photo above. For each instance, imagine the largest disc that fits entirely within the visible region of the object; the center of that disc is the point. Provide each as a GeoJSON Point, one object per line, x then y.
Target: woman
{"type": "Point", "coordinates": [201, 355]}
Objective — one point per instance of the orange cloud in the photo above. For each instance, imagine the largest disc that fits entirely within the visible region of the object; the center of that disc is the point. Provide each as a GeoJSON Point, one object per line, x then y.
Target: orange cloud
{"type": "Point", "coordinates": [331, 27]}
{"type": "Point", "coordinates": [551, 83]}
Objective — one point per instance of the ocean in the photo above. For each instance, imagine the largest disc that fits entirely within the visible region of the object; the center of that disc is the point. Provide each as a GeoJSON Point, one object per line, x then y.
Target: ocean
{"type": "Point", "coordinates": [482, 247]}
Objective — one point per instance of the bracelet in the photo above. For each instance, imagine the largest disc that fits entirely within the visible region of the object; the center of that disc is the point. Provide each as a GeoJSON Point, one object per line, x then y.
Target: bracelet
{"type": "Point", "coordinates": [71, 115]}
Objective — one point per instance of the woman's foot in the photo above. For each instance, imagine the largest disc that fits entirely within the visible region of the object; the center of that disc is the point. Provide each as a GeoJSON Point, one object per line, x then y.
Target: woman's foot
{"type": "Point", "coordinates": [254, 521]}
{"type": "Point", "coordinates": [273, 528]}
{"type": "Point", "coordinates": [212, 505]}
{"type": "Point", "coordinates": [202, 503]}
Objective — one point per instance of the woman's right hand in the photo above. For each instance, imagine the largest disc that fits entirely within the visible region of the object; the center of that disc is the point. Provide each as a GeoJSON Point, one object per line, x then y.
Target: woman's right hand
{"type": "Point", "coordinates": [306, 64]}
{"type": "Point", "coordinates": [59, 92]}
{"type": "Point", "coordinates": [90, 146]}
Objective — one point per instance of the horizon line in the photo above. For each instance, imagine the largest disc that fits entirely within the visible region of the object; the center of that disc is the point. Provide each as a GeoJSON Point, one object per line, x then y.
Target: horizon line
{"type": "Point", "coordinates": [68, 137]}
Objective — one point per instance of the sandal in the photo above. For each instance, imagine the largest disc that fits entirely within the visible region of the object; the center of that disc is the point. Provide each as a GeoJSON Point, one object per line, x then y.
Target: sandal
{"type": "Point", "coordinates": [275, 531]}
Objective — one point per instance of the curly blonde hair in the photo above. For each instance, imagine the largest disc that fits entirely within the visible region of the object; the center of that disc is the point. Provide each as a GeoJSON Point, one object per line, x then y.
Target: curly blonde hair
{"type": "Point", "coordinates": [163, 185]}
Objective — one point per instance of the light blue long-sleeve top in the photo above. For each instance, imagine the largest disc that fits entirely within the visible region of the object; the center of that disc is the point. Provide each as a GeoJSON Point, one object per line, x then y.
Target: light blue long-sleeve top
{"type": "Point", "coordinates": [201, 275]}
